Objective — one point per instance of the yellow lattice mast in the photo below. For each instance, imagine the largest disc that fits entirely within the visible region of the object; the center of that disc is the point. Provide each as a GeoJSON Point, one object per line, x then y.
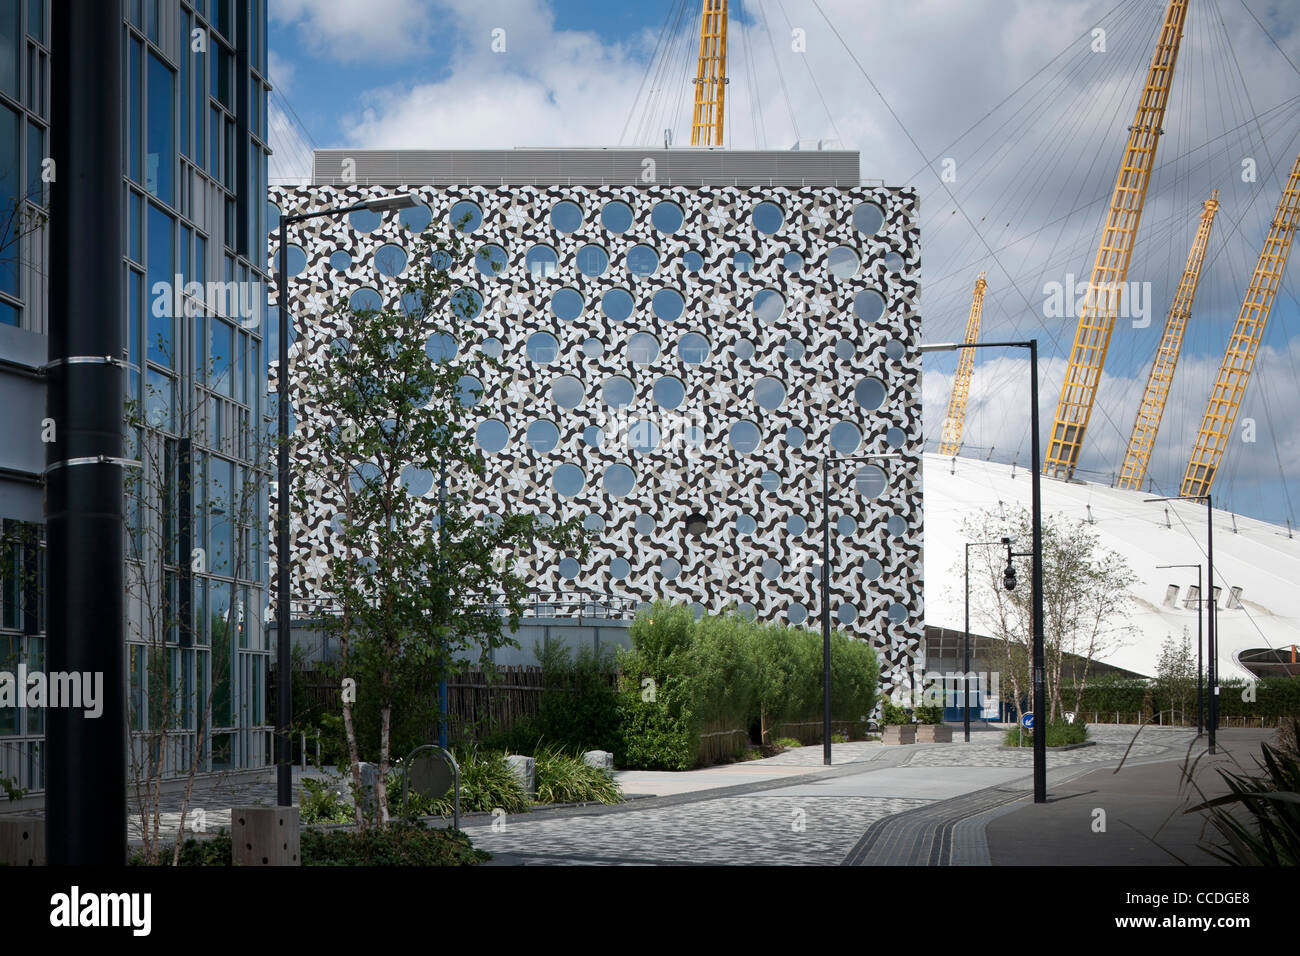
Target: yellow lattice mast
{"type": "Point", "coordinates": [950, 441]}
{"type": "Point", "coordinates": [1239, 360]}
{"type": "Point", "coordinates": [711, 75]}
{"type": "Point", "coordinates": [1152, 409]}
{"type": "Point", "coordinates": [1109, 271]}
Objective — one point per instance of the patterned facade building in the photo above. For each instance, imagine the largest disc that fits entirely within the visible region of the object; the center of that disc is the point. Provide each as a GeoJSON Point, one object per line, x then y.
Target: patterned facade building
{"type": "Point", "coordinates": [679, 362]}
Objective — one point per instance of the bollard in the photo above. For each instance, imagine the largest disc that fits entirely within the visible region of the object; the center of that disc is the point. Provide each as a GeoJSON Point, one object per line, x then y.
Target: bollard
{"type": "Point", "coordinates": [22, 841]}
{"type": "Point", "coordinates": [265, 836]}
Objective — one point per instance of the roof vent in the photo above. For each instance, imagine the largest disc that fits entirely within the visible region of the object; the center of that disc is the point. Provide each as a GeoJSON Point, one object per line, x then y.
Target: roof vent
{"type": "Point", "coordinates": [1171, 596]}
{"type": "Point", "coordinates": [1234, 598]}
{"type": "Point", "coordinates": [1193, 596]}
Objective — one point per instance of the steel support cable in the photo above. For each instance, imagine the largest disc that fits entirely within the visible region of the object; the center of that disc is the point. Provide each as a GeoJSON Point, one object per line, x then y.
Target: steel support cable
{"type": "Point", "coordinates": [645, 76]}
{"type": "Point", "coordinates": [829, 115]}
{"type": "Point", "coordinates": [780, 74]}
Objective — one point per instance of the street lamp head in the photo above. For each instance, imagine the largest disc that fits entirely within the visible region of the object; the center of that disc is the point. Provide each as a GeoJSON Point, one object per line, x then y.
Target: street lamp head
{"type": "Point", "coordinates": [940, 347]}
{"type": "Point", "coordinates": [391, 203]}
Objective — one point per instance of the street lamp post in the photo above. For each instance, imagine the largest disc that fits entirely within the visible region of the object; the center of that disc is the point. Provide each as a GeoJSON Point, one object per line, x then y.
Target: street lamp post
{"type": "Point", "coordinates": [283, 704]}
{"type": "Point", "coordinates": [1212, 669]}
{"type": "Point", "coordinates": [965, 657]}
{"type": "Point", "coordinates": [826, 597]}
{"type": "Point", "coordinates": [1200, 622]}
{"type": "Point", "coordinates": [1040, 692]}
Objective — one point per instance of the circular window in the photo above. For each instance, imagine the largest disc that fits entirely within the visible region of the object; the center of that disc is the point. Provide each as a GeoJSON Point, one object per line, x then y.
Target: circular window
{"type": "Point", "coordinates": [642, 260]}
{"type": "Point", "coordinates": [592, 260]}
{"type": "Point", "coordinates": [894, 350]}
{"type": "Point", "coordinates": [567, 304]}
{"type": "Point", "coordinates": [670, 568]}
{"type": "Point", "coordinates": [870, 481]}
{"type": "Point", "coordinates": [894, 263]}
{"type": "Point", "coordinates": [340, 261]}
{"type": "Point", "coordinates": [868, 218]}
{"type": "Point", "coordinates": [745, 611]}
{"type": "Point", "coordinates": [697, 525]}
{"type": "Point", "coordinates": [693, 348]}
{"type": "Point", "coordinates": [297, 263]}
{"type": "Point", "coordinates": [364, 220]}
{"type": "Point", "coordinates": [469, 391]}
{"type": "Point", "coordinates": [416, 481]}
{"type": "Point", "coordinates": [642, 348]}
{"type": "Point", "coordinates": [669, 392]}
{"type": "Point", "coordinates": [619, 568]}
{"type": "Point", "coordinates": [845, 525]}
{"type": "Point", "coordinates": [797, 613]}
{"type": "Point", "coordinates": [693, 261]}
{"type": "Point", "coordinates": [871, 569]}
{"type": "Point", "coordinates": [742, 262]}
{"type": "Point", "coordinates": [365, 300]}
{"type": "Point", "coordinates": [491, 260]}
{"type": "Point", "coordinates": [870, 393]}
{"type": "Point", "coordinates": [769, 393]}
{"type": "Point", "coordinates": [416, 219]}
{"type": "Point", "coordinates": [566, 216]}
{"type": "Point", "coordinates": [869, 305]}
{"type": "Point", "coordinates": [440, 259]}
{"type": "Point", "coordinates": [618, 392]}
{"type": "Point", "coordinates": [745, 524]}
{"type": "Point", "coordinates": [466, 216]}
{"type": "Point", "coordinates": [769, 306]}
{"type": "Point", "coordinates": [643, 436]}
{"type": "Point", "coordinates": [593, 523]}
{"type": "Point", "coordinates": [568, 480]}
{"type": "Point", "coordinates": [847, 613]}
{"type": "Point", "coordinates": [542, 436]}
{"type": "Point", "coordinates": [896, 437]}
{"type": "Point", "coordinates": [744, 437]}
{"type": "Point", "coordinates": [667, 217]}
{"type": "Point", "coordinates": [568, 567]}
{"type": "Point", "coordinates": [441, 347]}
{"type": "Point", "coordinates": [794, 350]}
{"type": "Point", "coordinates": [619, 480]}
{"type": "Point", "coordinates": [616, 216]}
{"type": "Point", "coordinates": [542, 262]}
{"type": "Point", "coordinates": [492, 435]}
{"type": "Point", "coordinates": [491, 348]}
{"type": "Point", "coordinates": [845, 437]}
{"type": "Point", "coordinates": [897, 613]}
{"type": "Point", "coordinates": [694, 436]}
{"type": "Point", "coordinates": [272, 216]}
{"type": "Point", "coordinates": [796, 525]}
{"type": "Point", "coordinates": [644, 523]}
{"type": "Point", "coordinates": [795, 437]}
{"type": "Point", "coordinates": [744, 350]}
{"type": "Point", "coordinates": [897, 525]}
{"type": "Point", "coordinates": [771, 569]}
{"type": "Point", "coordinates": [845, 350]}
{"type": "Point", "coordinates": [593, 348]}
{"type": "Point", "coordinates": [770, 481]}
{"type": "Point", "coordinates": [843, 262]}
{"type": "Point", "coordinates": [567, 392]}
{"type": "Point", "coordinates": [668, 304]}
{"type": "Point", "coordinates": [466, 303]}
{"type": "Point", "coordinates": [617, 304]}
{"type": "Point", "coordinates": [543, 348]}
{"type": "Point", "coordinates": [768, 217]}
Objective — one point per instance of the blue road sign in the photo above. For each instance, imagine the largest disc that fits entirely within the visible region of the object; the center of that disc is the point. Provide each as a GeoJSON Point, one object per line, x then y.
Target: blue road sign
{"type": "Point", "coordinates": [1027, 720]}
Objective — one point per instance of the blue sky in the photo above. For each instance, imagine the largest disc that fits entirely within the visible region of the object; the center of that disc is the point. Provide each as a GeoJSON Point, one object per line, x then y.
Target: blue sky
{"type": "Point", "coordinates": [1033, 176]}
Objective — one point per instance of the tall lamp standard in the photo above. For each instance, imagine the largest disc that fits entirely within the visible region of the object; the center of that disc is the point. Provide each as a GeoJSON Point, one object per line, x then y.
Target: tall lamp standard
{"type": "Point", "coordinates": [283, 705]}
{"type": "Point", "coordinates": [826, 597]}
{"type": "Point", "coordinates": [1040, 691]}
{"type": "Point", "coordinates": [965, 656]}
{"type": "Point", "coordinates": [1200, 622]}
{"type": "Point", "coordinates": [1212, 669]}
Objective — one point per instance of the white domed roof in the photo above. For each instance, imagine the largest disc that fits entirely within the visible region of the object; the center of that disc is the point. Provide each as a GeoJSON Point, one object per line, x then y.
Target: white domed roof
{"type": "Point", "coordinates": [1259, 558]}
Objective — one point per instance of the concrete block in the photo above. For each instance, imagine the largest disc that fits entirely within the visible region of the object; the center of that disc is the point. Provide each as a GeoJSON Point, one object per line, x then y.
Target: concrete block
{"type": "Point", "coordinates": [265, 836]}
{"type": "Point", "coordinates": [899, 734]}
{"type": "Point", "coordinates": [602, 759]}
{"type": "Point", "coordinates": [933, 734]}
{"type": "Point", "coordinates": [525, 771]}
{"type": "Point", "coordinates": [22, 841]}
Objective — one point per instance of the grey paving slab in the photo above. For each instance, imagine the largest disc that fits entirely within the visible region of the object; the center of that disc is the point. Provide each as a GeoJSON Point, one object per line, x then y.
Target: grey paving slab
{"type": "Point", "coordinates": [909, 782]}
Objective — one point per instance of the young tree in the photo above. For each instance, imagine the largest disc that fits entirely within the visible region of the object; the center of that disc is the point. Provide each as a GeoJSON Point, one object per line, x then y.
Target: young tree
{"type": "Point", "coordinates": [419, 578]}
{"type": "Point", "coordinates": [1176, 673]}
{"type": "Point", "coordinates": [1085, 602]}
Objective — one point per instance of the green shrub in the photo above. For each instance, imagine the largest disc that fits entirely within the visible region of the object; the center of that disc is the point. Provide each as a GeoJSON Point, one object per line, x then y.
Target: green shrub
{"type": "Point", "coordinates": [566, 778]}
{"type": "Point", "coordinates": [786, 742]}
{"type": "Point", "coordinates": [928, 714]}
{"type": "Point", "coordinates": [1268, 832]}
{"type": "Point", "coordinates": [486, 783]}
{"type": "Point", "coordinates": [894, 715]}
{"type": "Point", "coordinates": [321, 803]}
{"type": "Point", "coordinates": [653, 738]}
{"type": "Point", "coordinates": [1059, 734]}
{"type": "Point", "coordinates": [579, 709]}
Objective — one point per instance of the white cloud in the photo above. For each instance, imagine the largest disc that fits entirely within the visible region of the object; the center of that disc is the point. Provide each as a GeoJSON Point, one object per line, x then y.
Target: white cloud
{"type": "Point", "coordinates": [357, 30]}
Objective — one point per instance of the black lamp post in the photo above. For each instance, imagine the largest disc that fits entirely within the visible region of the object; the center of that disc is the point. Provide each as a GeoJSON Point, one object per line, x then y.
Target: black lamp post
{"type": "Point", "coordinates": [1040, 692]}
{"type": "Point", "coordinates": [1200, 622]}
{"type": "Point", "coordinates": [1212, 670]}
{"type": "Point", "coordinates": [284, 706]}
{"type": "Point", "coordinates": [826, 597]}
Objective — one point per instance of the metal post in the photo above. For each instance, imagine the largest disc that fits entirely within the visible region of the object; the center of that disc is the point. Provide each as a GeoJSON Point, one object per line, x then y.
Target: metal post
{"type": "Point", "coordinates": [1200, 640]}
{"type": "Point", "coordinates": [965, 661]}
{"type": "Point", "coordinates": [1214, 629]}
{"type": "Point", "coordinates": [826, 618]}
{"type": "Point", "coordinates": [283, 704]}
{"type": "Point", "coordinates": [442, 520]}
{"type": "Point", "coordinates": [1040, 697]}
{"type": "Point", "coordinates": [85, 759]}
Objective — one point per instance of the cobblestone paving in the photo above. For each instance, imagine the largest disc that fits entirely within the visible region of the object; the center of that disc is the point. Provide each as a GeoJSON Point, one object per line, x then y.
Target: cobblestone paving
{"type": "Point", "coordinates": [811, 756]}
{"type": "Point", "coordinates": [1110, 747]}
{"type": "Point", "coordinates": [746, 830]}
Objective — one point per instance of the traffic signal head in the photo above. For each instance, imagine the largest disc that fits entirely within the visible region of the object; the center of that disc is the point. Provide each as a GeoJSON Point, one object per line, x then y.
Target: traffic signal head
{"type": "Point", "coordinates": [1009, 578]}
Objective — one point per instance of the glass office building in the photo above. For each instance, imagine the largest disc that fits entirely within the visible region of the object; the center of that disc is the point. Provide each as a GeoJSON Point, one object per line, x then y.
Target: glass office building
{"type": "Point", "coordinates": [194, 160]}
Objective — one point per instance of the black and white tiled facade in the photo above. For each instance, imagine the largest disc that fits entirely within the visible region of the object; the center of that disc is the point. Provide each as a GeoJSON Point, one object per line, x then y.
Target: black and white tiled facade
{"type": "Point", "coordinates": [716, 515]}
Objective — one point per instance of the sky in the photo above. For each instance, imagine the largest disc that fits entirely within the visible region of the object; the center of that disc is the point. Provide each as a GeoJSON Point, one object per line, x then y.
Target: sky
{"type": "Point", "coordinates": [1009, 118]}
